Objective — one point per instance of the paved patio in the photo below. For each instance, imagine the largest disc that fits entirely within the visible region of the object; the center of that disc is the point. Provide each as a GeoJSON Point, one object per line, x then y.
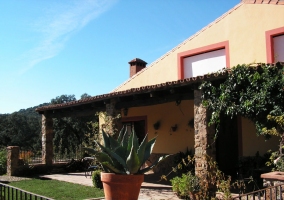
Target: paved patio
{"type": "Point", "coordinates": [151, 189]}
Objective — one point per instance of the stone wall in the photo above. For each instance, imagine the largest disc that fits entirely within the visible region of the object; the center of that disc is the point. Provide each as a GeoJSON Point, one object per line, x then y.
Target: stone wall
{"type": "Point", "coordinates": [204, 135]}
{"type": "Point", "coordinates": [113, 121]}
{"type": "Point", "coordinates": [12, 160]}
{"type": "Point", "coordinates": [47, 140]}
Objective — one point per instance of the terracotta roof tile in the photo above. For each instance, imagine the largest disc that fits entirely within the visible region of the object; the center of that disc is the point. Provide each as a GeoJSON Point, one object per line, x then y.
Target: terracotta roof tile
{"type": "Point", "coordinates": [276, 2]}
{"type": "Point", "coordinates": [142, 89]}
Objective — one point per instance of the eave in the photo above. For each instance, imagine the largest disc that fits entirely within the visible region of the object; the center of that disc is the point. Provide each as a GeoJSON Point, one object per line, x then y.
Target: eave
{"type": "Point", "coordinates": [134, 97]}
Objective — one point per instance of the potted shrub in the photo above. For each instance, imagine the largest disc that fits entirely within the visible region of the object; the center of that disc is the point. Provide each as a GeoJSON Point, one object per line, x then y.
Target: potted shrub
{"type": "Point", "coordinates": [122, 160]}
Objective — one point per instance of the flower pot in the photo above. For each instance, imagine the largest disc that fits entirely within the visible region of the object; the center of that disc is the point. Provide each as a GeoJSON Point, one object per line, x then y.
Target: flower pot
{"type": "Point", "coordinates": [120, 186]}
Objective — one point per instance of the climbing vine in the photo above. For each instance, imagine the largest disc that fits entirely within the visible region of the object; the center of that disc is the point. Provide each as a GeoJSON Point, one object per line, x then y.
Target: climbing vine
{"type": "Point", "coordinates": [253, 92]}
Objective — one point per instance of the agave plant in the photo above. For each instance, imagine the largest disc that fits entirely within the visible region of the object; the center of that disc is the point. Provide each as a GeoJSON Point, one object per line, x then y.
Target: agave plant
{"type": "Point", "coordinates": [124, 155]}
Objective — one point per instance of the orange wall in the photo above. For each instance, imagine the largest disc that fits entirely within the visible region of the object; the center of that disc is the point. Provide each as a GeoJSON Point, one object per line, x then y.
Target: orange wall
{"type": "Point", "coordinates": [244, 28]}
{"type": "Point", "coordinates": [168, 114]}
{"type": "Point", "coordinates": [253, 143]}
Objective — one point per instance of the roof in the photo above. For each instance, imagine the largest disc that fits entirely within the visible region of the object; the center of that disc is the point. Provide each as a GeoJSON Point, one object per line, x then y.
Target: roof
{"type": "Point", "coordinates": [275, 2]}
{"type": "Point", "coordinates": [135, 91]}
{"type": "Point", "coordinates": [149, 90]}
{"type": "Point", "coordinates": [180, 45]}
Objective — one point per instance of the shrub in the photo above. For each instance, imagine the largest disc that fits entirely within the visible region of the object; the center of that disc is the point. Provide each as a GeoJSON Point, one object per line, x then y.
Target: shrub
{"type": "Point", "coordinates": [3, 161]}
{"type": "Point", "coordinates": [96, 178]}
{"type": "Point", "coordinates": [182, 164]}
{"type": "Point", "coordinates": [187, 183]}
{"type": "Point", "coordinates": [280, 164]}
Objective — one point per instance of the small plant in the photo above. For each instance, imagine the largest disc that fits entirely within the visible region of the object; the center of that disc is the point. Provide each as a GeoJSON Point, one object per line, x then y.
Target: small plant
{"type": "Point", "coordinates": [224, 185]}
{"type": "Point", "coordinates": [276, 157]}
{"type": "Point", "coordinates": [181, 162]}
{"type": "Point", "coordinates": [124, 155]}
{"type": "Point", "coordinates": [3, 161]}
{"type": "Point", "coordinates": [204, 185]}
{"type": "Point", "coordinates": [186, 184]}
{"type": "Point", "coordinates": [96, 178]}
{"type": "Point", "coordinates": [276, 161]}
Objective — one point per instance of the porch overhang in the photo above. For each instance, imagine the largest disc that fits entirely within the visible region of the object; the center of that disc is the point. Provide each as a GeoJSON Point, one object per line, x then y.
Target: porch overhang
{"type": "Point", "coordinates": [134, 97]}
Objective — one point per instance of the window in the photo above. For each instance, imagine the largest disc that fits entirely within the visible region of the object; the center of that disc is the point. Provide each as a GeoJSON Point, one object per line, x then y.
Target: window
{"type": "Point", "coordinates": [204, 63]}
{"type": "Point", "coordinates": [275, 45]}
{"type": "Point", "coordinates": [278, 43]}
{"type": "Point", "coordinates": [204, 60]}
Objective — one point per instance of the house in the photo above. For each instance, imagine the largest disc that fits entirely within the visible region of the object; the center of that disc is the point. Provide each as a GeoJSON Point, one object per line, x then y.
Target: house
{"type": "Point", "coordinates": [163, 98]}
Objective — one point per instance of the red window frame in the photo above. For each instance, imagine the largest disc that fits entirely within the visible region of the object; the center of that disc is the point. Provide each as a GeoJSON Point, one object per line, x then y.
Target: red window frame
{"type": "Point", "coordinates": [205, 49]}
{"type": "Point", "coordinates": [269, 35]}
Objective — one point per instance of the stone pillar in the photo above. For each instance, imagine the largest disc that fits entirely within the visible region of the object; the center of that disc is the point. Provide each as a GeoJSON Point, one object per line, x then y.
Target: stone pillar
{"type": "Point", "coordinates": [47, 140]}
{"type": "Point", "coordinates": [204, 135]}
{"type": "Point", "coordinates": [112, 119]}
{"type": "Point", "coordinates": [12, 160]}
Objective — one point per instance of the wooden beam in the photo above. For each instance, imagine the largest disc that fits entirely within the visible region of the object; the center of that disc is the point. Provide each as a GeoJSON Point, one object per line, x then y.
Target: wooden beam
{"type": "Point", "coordinates": [154, 100]}
{"type": "Point", "coordinates": [60, 113]}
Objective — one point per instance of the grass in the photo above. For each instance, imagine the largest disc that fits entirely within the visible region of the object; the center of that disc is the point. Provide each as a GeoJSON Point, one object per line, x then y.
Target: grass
{"type": "Point", "coordinates": [58, 189]}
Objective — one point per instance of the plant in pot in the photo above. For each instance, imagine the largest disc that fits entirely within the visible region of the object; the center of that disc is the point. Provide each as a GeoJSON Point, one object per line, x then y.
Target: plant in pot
{"type": "Point", "coordinates": [122, 161]}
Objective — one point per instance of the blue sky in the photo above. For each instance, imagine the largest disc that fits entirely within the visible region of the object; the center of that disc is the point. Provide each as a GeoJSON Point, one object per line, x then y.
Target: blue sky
{"type": "Point", "coordinates": [50, 48]}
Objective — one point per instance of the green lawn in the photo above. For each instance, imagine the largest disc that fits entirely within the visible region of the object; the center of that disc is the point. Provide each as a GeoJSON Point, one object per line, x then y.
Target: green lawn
{"type": "Point", "coordinates": [58, 189]}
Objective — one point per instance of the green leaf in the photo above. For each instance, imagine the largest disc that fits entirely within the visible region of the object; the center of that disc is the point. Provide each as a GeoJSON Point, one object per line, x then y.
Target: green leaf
{"type": "Point", "coordinates": [142, 171]}
{"type": "Point", "coordinates": [121, 134]}
{"type": "Point", "coordinates": [113, 155]}
{"type": "Point", "coordinates": [132, 162]}
{"type": "Point", "coordinates": [121, 151]}
{"type": "Point", "coordinates": [105, 139]}
{"type": "Point", "coordinates": [141, 150]}
{"type": "Point", "coordinates": [129, 143]}
{"type": "Point", "coordinates": [125, 139]}
{"type": "Point", "coordinates": [103, 157]}
{"type": "Point", "coordinates": [111, 168]}
{"type": "Point", "coordinates": [113, 143]}
{"type": "Point", "coordinates": [135, 143]}
{"type": "Point", "coordinates": [148, 149]}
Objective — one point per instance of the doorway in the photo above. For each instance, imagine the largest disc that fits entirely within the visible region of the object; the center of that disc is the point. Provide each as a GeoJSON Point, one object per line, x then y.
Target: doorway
{"type": "Point", "coordinates": [139, 125]}
{"type": "Point", "coordinates": [227, 146]}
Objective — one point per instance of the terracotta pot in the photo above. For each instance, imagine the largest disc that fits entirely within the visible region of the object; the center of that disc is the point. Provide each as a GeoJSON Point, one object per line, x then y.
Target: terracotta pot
{"type": "Point", "coordinates": [120, 186]}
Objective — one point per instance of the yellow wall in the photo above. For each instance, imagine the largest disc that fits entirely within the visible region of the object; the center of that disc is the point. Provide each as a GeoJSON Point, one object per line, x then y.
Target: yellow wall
{"type": "Point", "coordinates": [244, 28]}
{"type": "Point", "coordinates": [168, 114]}
{"type": "Point", "coordinates": [253, 143]}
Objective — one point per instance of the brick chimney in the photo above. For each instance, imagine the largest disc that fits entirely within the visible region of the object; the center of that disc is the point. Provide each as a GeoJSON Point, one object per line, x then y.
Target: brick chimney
{"type": "Point", "coordinates": [136, 65]}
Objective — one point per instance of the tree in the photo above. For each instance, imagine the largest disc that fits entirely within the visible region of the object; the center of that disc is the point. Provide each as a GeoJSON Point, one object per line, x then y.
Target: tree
{"type": "Point", "coordinates": [71, 132]}
{"type": "Point", "coordinates": [63, 99]}
{"type": "Point", "coordinates": [21, 129]}
{"type": "Point", "coordinates": [85, 95]}
{"type": "Point", "coordinates": [252, 92]}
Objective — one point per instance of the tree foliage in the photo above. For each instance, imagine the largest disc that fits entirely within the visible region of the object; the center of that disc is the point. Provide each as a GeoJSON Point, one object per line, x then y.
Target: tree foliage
{"type": "Point", "coordinates": [71, 132]}
{"type": "Point", "coordinates": [22, 128]}
{"type": "Point", "coordinates": [252, 92]}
